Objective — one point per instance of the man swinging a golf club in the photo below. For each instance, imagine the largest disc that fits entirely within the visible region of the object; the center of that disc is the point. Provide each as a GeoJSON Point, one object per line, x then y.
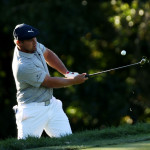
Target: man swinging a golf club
{"type": "Point", "coordinates": [37, 108]}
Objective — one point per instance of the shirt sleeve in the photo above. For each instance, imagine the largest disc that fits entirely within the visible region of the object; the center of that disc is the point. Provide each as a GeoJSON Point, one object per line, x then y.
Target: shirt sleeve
{"type": "Point", "coordinates": [41, 47]}
{"type": "Point", "coordinates": [32, 75]}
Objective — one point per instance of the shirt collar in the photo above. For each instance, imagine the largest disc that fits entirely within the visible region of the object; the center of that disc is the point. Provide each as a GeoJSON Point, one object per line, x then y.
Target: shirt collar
{"type": "Point", "coordinates": [20, 53]}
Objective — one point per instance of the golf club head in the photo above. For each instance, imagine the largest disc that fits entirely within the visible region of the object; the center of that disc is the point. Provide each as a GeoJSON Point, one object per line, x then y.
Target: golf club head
{"type": "Point", "coordinates": [144, 60]}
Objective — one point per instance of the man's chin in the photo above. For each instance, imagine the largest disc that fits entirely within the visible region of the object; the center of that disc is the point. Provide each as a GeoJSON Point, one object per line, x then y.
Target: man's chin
{"type": "Point", "coordinates": [34, 49]}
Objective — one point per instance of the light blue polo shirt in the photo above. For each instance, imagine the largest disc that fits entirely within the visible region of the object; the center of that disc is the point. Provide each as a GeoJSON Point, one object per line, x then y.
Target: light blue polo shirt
{"type": "Point", "coordinates": [29, 70]}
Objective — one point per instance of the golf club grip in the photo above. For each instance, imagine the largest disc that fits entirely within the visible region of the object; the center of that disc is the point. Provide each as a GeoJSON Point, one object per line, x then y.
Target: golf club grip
{"type": "Point", "coordinates": [87, 76]}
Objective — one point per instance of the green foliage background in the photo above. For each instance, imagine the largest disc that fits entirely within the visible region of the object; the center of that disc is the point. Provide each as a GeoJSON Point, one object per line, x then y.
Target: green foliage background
{"type": "Point", "coordinates": [88, 36]}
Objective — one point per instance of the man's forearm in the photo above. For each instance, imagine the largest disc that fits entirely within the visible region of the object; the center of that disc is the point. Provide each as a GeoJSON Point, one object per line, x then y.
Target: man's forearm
{"type": "Point", "coordinates": [59, 82]}
{"type": "Point", "coordinates": [53, 60]}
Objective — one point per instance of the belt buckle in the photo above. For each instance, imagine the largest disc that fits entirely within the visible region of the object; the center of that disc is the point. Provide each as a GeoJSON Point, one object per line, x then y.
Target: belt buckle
{"type": "Point", "coordinates": [47, 103]}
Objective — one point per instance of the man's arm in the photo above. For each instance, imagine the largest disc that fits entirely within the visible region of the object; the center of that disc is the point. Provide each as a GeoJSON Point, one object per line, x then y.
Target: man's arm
{"type": "Point", "coordinates": [59, 82]}
{"type": "Point", "coordinates": [53, 60]}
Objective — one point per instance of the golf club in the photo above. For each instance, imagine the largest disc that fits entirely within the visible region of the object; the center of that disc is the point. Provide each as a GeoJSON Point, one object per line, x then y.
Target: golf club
{"type": "Point", "coordinates": [142, 62]}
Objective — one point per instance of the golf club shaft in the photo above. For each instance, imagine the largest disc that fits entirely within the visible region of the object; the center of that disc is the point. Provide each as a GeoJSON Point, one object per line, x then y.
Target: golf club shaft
{"type": "Point", "coordinates": [89, 75]}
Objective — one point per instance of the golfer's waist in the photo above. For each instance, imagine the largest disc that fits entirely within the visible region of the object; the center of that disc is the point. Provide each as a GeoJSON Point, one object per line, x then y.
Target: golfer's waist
{"type": "Point", "coordinates": [43, 103]}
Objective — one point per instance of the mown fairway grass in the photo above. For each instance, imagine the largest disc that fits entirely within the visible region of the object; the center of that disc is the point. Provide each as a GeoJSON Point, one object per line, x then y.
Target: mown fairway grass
{"type": "Point", "coordinates": [93, 139]}
{"type": "Point", "coordinates": [141, 145]}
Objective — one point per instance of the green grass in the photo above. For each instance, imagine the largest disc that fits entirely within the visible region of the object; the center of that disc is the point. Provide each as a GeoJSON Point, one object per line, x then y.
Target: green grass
{"type": "Point", "coordinates": [142, 145]}
{"type": "Point", "coordinates": [86, 139]}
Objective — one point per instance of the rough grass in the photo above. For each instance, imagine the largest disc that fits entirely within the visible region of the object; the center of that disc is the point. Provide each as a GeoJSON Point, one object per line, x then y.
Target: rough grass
{"type": "Point", "coordinates": [89, 138]}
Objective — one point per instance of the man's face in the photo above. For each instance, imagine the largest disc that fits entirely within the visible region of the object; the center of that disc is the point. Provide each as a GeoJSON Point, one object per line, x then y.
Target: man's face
{"type": "Point", "coordinates": [28, 46]}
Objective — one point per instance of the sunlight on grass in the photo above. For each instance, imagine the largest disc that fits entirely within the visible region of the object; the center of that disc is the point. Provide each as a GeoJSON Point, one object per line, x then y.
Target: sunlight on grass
{"type": "Point", "coordinates": [130, 146]}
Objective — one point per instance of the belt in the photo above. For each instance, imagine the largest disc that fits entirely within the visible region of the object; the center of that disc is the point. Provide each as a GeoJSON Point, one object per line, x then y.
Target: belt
{"type": "Point", "coordinates": [46, 103]}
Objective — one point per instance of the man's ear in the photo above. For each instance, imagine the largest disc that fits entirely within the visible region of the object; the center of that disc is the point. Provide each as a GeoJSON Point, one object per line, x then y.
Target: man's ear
{"type": "Point", "coordinates": [18, 42]}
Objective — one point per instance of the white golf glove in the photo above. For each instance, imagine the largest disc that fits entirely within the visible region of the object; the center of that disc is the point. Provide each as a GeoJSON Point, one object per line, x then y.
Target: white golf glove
{"type": "Point", "coordinates": [71, 75]}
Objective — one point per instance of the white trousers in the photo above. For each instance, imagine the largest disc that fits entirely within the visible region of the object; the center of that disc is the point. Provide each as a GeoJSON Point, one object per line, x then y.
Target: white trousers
{"type": "Point", "coordinates": [33, 118]}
